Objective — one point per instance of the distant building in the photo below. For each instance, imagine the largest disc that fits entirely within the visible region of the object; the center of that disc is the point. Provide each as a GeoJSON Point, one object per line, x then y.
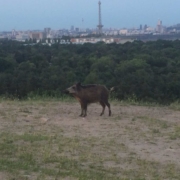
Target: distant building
{"type": "Point", "coordinates": [72, 28]}
{"type": "Point", "coordinates": [150, 29]}
{"type": "Point", "coordinates": [47, 32]}
{"type": "Point", "coordinates": [95, 40]}
{"type": "Point", "coordinates": [140, 27]}
{"type": "Point", "coordinates": [123, 31]}
{"type": "Point", "coordinates": [159, 27]}
{"type": "Point", "coordinates": [145, 27]}
{"type": "Point", "coordinates": [14, 32]}
{"type": "Point", "coordinates": [36, 35]}
{"type": "Point", "coordinates": [77, 29]}
{"type": "Point", "coordinates": [22, 37]}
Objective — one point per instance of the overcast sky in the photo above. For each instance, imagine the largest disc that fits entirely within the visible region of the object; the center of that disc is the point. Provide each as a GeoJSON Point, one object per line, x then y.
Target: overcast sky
{"type": "Point", "coordinates": [58, 14]}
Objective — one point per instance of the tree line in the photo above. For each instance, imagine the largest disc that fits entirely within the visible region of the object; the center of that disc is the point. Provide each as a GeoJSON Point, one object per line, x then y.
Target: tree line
{"type": "Point", "coordinates": [147, 71]}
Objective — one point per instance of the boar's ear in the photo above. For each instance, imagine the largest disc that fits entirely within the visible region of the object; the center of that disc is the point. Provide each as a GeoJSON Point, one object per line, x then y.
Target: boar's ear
{"type": "Point", "coordinates": [78, 85]}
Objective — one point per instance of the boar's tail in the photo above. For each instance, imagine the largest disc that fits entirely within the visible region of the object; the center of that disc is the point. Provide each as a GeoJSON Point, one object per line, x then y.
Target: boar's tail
{"type": "Point", "coordinates": [112, 89]}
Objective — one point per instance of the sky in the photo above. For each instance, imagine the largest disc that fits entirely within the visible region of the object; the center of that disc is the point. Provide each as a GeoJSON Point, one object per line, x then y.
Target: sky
{"type": "Point", "coordinates": [59, 14]}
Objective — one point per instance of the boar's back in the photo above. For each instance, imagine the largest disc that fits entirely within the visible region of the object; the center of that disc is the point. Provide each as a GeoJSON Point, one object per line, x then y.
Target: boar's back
{"type": "Point", "coordinates": [93, 93]}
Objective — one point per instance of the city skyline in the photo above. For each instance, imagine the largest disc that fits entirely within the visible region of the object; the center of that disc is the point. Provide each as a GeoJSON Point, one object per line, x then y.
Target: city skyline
{"type": "Point", "coordinates": [57, 14]}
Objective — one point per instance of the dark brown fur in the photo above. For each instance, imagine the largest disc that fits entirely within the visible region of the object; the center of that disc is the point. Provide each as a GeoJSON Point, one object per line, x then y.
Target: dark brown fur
{"type": "Point", "coordinates": [90, 94]}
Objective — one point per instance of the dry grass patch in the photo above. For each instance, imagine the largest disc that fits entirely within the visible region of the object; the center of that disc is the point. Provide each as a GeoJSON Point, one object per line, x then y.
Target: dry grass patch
{"type": "Point", "coordinates": [48, 140]}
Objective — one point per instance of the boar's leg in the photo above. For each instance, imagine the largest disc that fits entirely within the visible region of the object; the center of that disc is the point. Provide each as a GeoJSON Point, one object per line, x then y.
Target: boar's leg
{"type": "Point", "coordinates": [85, 110]}
{"type": "Point", "coordinates": [103, 106]}
{"type": "Point", "coordinates": [81, 110]}
{"type": "Point", "coordinates": [108, 105]}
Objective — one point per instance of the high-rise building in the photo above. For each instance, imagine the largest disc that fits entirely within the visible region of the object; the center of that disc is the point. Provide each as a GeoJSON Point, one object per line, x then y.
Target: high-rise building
{"type": "Point", "coordinates": [145, 27]}
{"type": "Point", "coordinates": [159, 27]}
{"type": "Point", "coordinates": [47, 32]}
{"type": "Point", "coordinates": [140, 27]}
{"type": "Point", "coordinates": [72, 28]}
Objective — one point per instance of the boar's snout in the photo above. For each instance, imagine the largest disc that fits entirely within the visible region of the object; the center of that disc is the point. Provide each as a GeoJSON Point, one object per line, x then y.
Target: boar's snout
{"type": "Point", "coordinates": [70, 90]}
{"type": "Point", "coordinates": [66, 91]}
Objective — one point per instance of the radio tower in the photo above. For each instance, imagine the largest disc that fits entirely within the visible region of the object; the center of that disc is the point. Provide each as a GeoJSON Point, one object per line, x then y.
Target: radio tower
{"type": "Point", "coordinates": [100, 23]}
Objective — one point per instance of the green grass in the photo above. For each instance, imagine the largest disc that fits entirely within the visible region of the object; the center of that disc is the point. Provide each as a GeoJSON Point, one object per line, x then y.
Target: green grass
{"type": "Point", "coordinates": [175, 105]}
{"type": "Point", "coordinates": [59, 157]}
{"type": "Point", "coordinates": [175, 134]}
{"type": "Point", "coordinates": [33, 153]}
{"type": "Point", "coordinates": [153, 122]}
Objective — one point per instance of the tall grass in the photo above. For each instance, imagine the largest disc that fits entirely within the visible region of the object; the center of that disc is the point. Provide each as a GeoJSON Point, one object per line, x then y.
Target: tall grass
{"type": "Point", "coordinates": [47, 97]}
{"type": "Point", "coordinates": [59, 96]}
{"type": "Point", "coordinates": [133, 101]}
{"type": "Point", "coordinates": [175, 105]}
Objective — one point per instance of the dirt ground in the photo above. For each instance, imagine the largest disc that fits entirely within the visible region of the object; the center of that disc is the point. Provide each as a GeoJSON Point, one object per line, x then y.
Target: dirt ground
{"type": "Point", "coordinates": [133, 137]}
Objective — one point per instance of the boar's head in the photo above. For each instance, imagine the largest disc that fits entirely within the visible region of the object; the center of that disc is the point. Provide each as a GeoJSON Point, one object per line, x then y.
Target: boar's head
{"type": "Point", "coordinates": [73, 89]}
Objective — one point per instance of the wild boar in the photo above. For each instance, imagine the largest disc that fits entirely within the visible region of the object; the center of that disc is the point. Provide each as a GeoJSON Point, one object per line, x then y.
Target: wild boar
{"type": "Point", "coordinates": [87, 94]}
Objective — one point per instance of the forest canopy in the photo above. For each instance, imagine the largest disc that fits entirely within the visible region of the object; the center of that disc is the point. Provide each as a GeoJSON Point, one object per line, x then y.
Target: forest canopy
{"type": "Point", "coordinates": [149, 71]}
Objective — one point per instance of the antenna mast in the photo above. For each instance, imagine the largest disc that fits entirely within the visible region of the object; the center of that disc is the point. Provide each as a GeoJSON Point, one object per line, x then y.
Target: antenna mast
{"type": "Point", "coordinates": [100, 23]}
